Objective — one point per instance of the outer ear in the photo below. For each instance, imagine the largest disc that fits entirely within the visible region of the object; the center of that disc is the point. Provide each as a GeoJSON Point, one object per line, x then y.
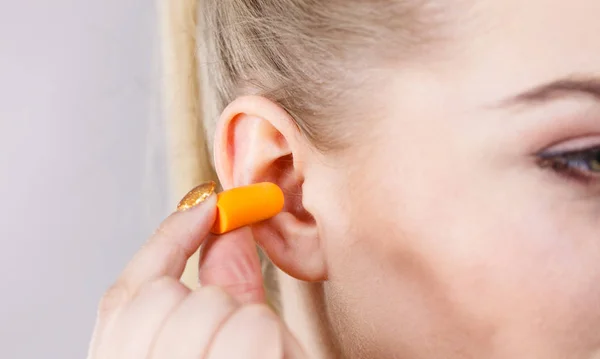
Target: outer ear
{"type": "Point", "coordinates": [258, 141]}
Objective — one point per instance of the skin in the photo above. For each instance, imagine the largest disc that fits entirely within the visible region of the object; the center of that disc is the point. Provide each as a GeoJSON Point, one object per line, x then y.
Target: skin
{"type": "Point", "coordinates": [149, 313]}
{"type": "Point", "coordinates": [436, 234]}
{"type": "Point", "coordinates": [471, 250]}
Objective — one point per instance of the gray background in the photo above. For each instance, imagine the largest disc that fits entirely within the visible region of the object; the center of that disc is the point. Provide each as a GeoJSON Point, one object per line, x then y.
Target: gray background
{"type": "Point", "coordinates": [82, 179]}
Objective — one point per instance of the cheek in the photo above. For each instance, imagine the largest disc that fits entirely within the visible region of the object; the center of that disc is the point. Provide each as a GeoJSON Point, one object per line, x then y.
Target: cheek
{"type": "Point", "coordinates": [450, 256]}
{"type": "Point", "coordinates": [384, 285]}
{"type": "Point", "coordinates": [523, 273]}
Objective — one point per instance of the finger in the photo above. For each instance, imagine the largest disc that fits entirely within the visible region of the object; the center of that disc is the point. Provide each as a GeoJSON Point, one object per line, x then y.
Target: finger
{"type": "Point", "coordinates": [256, 332]}
{"type": "Point", "coordinates": [189, 330]}
{"type": "Point", "coordinates": [292, 349]}
{"type": "Point", "coordinates": [231, 262]}
{"type": "Point", "coordinates": [167, 251]}
{"type": "Point", "coordinates": [133, 332]}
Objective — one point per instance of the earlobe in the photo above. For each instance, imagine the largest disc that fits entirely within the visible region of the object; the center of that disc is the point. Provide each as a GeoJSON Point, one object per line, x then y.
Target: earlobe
{"type": "Point", "coordinates": [294, 246]}
{"type": "Point", "coordinates": [258, 141]}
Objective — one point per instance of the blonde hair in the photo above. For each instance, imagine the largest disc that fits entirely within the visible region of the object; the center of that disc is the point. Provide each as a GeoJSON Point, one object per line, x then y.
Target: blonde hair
{"type": "Point", "coordinates": [294, 52]}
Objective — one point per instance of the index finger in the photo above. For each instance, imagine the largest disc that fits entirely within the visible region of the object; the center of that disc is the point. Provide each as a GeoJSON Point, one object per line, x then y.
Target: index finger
{"type": "Point", "coordinates": [177, 238]}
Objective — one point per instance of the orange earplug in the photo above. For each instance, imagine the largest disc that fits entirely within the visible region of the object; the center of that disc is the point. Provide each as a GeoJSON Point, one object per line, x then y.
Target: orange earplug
{"type": "Point", "coordinates": [246, 205]}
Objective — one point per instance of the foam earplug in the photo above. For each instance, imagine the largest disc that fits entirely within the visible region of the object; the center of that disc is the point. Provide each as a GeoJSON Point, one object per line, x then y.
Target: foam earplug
{"type": "Point", "coordinates": [242, 206]}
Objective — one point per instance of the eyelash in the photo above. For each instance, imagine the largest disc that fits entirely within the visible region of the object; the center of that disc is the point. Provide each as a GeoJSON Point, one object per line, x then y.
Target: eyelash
{"type": "Point", "coordinates": [581, 165]}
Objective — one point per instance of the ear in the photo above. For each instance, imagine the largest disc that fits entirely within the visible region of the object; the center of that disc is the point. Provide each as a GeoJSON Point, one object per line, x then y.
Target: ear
{"type": "Point", "coordinates": [258, 141]}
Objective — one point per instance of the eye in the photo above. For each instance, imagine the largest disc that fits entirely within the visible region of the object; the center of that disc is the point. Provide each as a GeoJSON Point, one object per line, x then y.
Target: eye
{"type": "Point", "coordinates": [581, 164]}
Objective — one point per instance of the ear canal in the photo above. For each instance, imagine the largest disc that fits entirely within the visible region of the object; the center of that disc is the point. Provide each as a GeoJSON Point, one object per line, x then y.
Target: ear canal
{"type": "Point", "coordinates": [242, 206]}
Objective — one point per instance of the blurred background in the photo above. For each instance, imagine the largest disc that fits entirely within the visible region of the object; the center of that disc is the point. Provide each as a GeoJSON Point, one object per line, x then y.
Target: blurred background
{"type": "Point", "coordinates": [82, 173]}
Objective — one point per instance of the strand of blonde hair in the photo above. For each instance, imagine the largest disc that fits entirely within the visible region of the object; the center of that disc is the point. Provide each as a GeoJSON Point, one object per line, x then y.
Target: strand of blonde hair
{"type": "Point", "coordinates": [188, 155]}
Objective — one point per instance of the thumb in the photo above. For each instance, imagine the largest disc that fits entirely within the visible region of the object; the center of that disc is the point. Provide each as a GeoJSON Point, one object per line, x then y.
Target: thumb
{"type": "Point", "coordinates": [230, 261]}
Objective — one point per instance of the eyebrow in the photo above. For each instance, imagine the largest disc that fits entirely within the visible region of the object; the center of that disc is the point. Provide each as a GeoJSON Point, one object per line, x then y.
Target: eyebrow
{"type": "Point", "coordinates": [588, 86]}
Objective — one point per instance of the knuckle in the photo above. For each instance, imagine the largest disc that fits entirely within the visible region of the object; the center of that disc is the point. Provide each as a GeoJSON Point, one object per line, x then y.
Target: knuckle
{"type": "Point", "coordinates": [258, 310]}
{"type": "Point", "coordinates": [115, 297]}
{"type": "Point", "coordinates": [161, 231]}
{"type": "Point", "coordinates": [164, 230]}
{"type": "Point", "coordinates": [161, 285]}
{"type": "Point", "coordinates": [173, 251]}
{"type": "Point", "coordinates": [167, 245]}
{"type": "Point", "coordinates": [212, 295]}
{"type": "Point", "coordinates": [255, 313]}
{"type": "Point", "coordinates": [243, 289]}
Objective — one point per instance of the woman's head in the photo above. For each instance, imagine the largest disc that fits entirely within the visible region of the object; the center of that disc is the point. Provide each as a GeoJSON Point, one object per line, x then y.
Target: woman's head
{"type": "Point", "coordinates": [310, 57]}
{"type": "Point", "coordinates": [440, 187]}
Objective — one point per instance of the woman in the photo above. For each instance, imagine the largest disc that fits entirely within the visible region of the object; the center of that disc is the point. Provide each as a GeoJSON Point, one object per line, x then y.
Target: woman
{"type": "Point", "coordinates": [441, 164]}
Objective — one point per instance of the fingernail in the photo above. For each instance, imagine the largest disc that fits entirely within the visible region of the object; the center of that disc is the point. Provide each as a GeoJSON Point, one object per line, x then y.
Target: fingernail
{"type": "Point", "coordinates": [196, 196]}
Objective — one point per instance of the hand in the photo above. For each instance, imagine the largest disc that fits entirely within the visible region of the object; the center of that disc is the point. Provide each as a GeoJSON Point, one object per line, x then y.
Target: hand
{"type": "Point", "coordinates": [149, 314]}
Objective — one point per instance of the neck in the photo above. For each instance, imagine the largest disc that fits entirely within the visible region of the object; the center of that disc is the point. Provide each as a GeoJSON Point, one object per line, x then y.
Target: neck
{"type": "Point", "coordinates": [305, 313]}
